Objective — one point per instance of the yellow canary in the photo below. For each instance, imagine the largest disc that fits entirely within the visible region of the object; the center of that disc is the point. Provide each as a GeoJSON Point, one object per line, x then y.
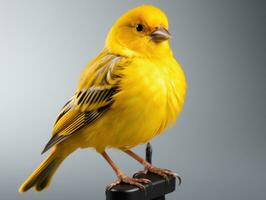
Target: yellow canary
{"type": "Point", "coordinates": [127, 95]}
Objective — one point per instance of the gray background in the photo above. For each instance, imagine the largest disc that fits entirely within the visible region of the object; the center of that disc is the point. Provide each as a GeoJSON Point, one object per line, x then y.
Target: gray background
{"type": "Point", "coordinates": [218, 144]}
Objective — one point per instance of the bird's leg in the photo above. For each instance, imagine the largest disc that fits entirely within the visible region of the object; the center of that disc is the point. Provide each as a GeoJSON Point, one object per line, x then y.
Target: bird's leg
{"type": "Point", "coordinates": [122, 177]}
{"type": "Point", "coordinates": [148, 167]}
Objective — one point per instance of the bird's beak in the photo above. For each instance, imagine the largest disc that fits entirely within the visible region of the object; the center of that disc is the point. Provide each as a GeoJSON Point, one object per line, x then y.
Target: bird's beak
{"type": "Point", "coordinates": [160, 34]}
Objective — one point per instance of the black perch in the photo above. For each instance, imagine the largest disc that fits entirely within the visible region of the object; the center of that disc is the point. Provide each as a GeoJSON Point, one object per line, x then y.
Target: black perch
{"type": "Point", "coordinates": [156, 190]}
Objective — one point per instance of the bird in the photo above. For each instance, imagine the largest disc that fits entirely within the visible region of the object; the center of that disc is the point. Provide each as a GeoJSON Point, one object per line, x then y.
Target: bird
{"type": "Point", "coordinates": [128, 94]}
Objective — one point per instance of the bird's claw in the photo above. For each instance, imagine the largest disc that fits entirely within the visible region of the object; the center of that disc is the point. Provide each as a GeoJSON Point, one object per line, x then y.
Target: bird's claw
{"type": "Point", "coordinates": [162, 172]}
{"type": "Point", "coordinates": [129, 180]}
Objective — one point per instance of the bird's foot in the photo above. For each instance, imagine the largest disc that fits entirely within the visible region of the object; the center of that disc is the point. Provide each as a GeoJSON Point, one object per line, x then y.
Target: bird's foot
{"type": "Point", "coordinates": [162, 172]}
{"type": "Point", "coordinates": [129, 180]}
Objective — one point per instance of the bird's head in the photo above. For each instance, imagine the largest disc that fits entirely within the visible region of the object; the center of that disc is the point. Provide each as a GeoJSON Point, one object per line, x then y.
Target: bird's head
{"type": "Point", "coordinates": [142, 30]}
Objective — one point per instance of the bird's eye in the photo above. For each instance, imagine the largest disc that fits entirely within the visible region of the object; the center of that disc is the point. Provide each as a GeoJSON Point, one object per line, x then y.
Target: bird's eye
{"type": "Point", "coordinates": [139, 27]}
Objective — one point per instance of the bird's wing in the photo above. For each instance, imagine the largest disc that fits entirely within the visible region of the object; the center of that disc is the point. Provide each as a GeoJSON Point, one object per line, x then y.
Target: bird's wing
{"type": "Point", "coordinates": [98, 84]}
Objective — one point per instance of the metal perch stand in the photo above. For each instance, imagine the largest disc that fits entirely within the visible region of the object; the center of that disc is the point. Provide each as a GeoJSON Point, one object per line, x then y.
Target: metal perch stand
{"type": "Point", "coordinates": [156, 190]}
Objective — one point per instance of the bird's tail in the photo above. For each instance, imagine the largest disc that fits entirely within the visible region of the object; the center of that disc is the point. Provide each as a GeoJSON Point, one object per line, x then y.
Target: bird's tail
{"type": "Point", "coordinates": [42, 176]}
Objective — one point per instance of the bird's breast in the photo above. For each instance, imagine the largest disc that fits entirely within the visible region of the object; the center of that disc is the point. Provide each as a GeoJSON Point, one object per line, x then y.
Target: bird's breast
{"type": "Point", "coordinates": [152, 94]}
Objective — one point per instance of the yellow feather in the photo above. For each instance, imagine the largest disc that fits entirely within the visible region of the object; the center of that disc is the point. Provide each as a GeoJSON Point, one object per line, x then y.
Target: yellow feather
{"type": "Point", "coordinates": [127, 95]}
